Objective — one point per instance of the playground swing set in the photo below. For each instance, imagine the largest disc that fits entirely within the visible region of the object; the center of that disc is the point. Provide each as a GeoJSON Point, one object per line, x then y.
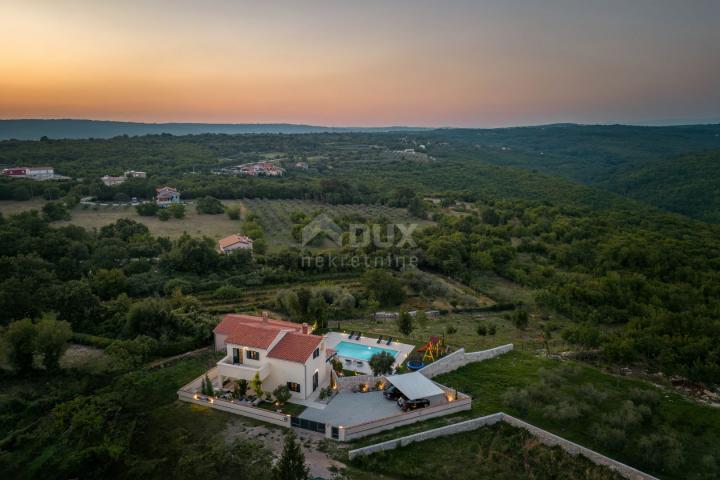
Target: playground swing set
{"type": "Point", "coordinates": [434, 349]}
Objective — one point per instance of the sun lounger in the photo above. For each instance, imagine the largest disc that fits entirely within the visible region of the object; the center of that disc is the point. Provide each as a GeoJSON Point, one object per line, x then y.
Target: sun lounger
{"type": "Point", "coordinates": [379, 339]}
{"type": "Point", "coordinates": [359, 334]}
{"type": "Point", "coordinates": [389, 341]}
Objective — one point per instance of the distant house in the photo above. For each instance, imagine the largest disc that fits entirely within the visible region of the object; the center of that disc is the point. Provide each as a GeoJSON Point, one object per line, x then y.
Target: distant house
{"type": "Point", "coordinates": [111, 181]}
{"type": "Point", "coordinates": [301, 165]}
{"type": "Point", "coordinates": [166, 196]}
{"type": "Point", "coordinates": [134, 174]}
{"type": "Point", "coordinates": [40, 171]}
{"type": "Point", "coordinates": [31, 172]}
{"type": "Point", "coordinates": [235, 242]}
{"type": "Point", "coordinates": [14, 171]}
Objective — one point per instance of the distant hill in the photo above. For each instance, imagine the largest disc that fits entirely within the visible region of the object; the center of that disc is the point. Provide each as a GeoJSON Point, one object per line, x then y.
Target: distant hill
{"type": "Point", "coordinates": [688, 184]}
{"type": "Point", "coordinates": [35, 129]}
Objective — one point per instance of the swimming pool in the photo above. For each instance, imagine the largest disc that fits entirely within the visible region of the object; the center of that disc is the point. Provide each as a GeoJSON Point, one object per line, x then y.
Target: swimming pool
{"type": "Point", "coordinates": [360, 352]}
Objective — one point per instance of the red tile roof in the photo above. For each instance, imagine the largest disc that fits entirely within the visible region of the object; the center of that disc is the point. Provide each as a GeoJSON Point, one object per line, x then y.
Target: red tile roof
{"type": "Point", "coordinates": [232, 320]}
{"type": "Point", "coordinates": [232, 240]}
{"type": "Point", "coordinates": [253, 336]}
{"type": "Point", "coordinates": [295, 347]}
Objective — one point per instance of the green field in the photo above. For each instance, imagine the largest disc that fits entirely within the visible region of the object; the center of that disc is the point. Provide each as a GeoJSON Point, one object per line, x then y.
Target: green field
{"type": "Point", "coordinates": [213, 226]}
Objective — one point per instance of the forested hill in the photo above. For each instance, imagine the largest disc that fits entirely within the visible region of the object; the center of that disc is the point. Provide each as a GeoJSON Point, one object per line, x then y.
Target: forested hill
{"type": "Point", "coordinates": [35, 129]}
{"type": "Point", "coordinates": [688, 184]}
{"type": "Point", "coordinates": [674, 168]}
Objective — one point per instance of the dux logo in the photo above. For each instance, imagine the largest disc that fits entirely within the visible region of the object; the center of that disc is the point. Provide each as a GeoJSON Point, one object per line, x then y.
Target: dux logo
{"type": "Point", "coordinates": [322, 226]}
{"type": "Point", "coordinates": [359, 235]}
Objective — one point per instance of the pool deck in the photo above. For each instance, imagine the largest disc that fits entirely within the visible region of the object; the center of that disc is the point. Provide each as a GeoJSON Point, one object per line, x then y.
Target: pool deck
{"type": "Point", "coordinates": [403, 349]}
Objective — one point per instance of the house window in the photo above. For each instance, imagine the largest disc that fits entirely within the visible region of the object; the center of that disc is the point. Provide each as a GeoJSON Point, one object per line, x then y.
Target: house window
{"type": "Point", "coordinates": [294, 387]}
{"type": "Point", "coordinates": [316, 353]}
{"type": "Point", "coordinates": [315, 381]}
{"type": "Point", "coordinates": [252, 354]}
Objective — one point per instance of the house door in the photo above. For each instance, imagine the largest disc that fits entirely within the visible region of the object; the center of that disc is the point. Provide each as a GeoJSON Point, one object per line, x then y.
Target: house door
{"type": "Point", "coordinates": [237, 358]}
{"type": "Point", "coordinates": [315, 381]}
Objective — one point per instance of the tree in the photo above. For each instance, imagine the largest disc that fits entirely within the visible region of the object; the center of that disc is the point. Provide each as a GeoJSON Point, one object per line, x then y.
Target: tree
{"type": "Point", "coordinates": [52, 340]}
{"type": "Point", "coordinates": [109, 283]}
{"type": "Point", "coordinates": [383, 287]}
{"type": "Point", "coordinates": [282, 394]}
{"type": "Point", "coordinates": [21, 337]}
{"type": "Point", "coordinates": [241, 388]}
{"type": "Point", "coordinates": [291, 465]}
{"type": "Point", "coordinates": [381, 363]}
{"type": "Point", "coordinates": [256, 385]}
{"type": "Point", "coordinates": [163, 215]}
{"type": "Point", "coordinates": [405, 323]}
{"type": "Point", "coordinates": [55, 211]}
{"type": "Point", "coordinates": [209, 205]}
{"type": "Point", "coordinates": [520, 319]}
{"type": "Point", "coordinates": [207, 387]}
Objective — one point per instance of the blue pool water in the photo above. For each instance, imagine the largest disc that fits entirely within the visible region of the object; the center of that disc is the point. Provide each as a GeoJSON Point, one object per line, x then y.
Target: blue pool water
{"type": "Point", "coordinates": [360, 352]}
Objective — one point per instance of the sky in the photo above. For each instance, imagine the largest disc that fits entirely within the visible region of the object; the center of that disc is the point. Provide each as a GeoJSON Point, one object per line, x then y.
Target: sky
{"type": "Point", "coordinates": [478, 63]}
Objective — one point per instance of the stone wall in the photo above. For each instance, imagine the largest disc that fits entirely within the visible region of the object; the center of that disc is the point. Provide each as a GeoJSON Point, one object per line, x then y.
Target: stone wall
{"type": "Point", "coordinates": [346, 384]}
{"type": "Point", "coordinates": [460, 358]}
{"type": "Point", "coordinates": [543, 436]}
{"type": "Point", "coordinates": [459, 427]}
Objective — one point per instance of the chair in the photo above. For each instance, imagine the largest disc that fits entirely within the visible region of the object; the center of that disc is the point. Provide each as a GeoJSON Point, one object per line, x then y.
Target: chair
{"type": "Point", "coordinates": [379, 339]}
{"type": "Point", "coordinates": [389, 341]}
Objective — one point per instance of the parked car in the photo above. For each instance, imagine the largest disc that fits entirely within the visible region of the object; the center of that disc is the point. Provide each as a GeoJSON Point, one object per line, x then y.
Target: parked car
{"type": "Point", "coordinates": [413, 404]}
{"type": "Point", "coordinates": [392, 393]}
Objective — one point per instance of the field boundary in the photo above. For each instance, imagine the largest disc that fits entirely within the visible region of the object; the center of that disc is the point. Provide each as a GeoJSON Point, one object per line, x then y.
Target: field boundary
{"type": "Point", "coordinates": [545, 437]}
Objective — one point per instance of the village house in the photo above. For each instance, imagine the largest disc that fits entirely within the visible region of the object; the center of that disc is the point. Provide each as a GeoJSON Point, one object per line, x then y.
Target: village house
{"type": "Point", "coordinates": [166, 196]}
{"type": "Point", "coordinates": [234, 242]}
{"type": "Point", "coordinates": [134, 174]}
{"type": "Point", "coordinates": [279, 352]}
{"type": "Point", "coordinates": [31, 172]}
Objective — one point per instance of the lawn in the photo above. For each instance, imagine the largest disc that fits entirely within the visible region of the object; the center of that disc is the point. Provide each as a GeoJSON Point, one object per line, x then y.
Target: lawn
{"type": "Point", "coordinates": [499, 452]}
{"type": "Point", "coordinates": [213, 226]}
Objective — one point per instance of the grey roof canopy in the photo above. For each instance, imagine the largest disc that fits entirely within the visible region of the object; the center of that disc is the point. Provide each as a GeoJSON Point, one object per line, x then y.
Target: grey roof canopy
{"type": "Point", "coordinates": [415, 385]}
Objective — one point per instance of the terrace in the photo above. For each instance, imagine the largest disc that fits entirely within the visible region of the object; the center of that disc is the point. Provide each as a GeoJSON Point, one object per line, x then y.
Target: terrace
{"type": "Point", "coordinates": [355, 353]}
{"type": "Point", "coordinates": [226, 368]}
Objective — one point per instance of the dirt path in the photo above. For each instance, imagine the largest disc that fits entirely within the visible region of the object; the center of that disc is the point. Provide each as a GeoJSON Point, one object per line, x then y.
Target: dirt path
{"type": "Point", "coordinates": [320, 463]}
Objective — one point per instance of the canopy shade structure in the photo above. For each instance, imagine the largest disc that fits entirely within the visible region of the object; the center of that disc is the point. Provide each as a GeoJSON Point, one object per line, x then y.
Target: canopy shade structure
{"type": "Point", "coordinates": [415, 385]}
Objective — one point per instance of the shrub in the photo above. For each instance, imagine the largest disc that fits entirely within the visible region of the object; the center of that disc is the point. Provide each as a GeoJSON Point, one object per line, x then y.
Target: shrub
{"type": "Point", "coordinates": [323, 394]}
{"type": "Point", "coordinates": [381, 363]}
{"type": "Point", "coordinates": [209, 205]}
{"type": "Point", "coordinates": [405, 323]}
{"type": "Point", "coordinates": [282, 394]}
{"type": "Point", "coordinates": [661, 450]}
{"type": "Point", "coordinates": [227, 292]}
{"type": "Point", "coordinates": [451, 329]}
{"type": "Point", "coordinates": [628, 415]}
{"type": "Point", "coordinates": [163, 215]}
{"type": "Point", "coordinates": [233, 213]}
{"type": "Point", "coordinates": [517, 399]}
{"type": "Point", "coordinates": [609, 437]}
{"type": "Point", "coordinates": [482, 329]}
{"type": "Point", "coordinates": [562, 411]}
{"type": "Point", "coordinates": [492, 329]}
{"type": "Point", "coordinates": [241, 388]}
{"type": "Point", "coordinates": [147, 209]}
{"type": "Point", "coordinates": [177, 210]}
{"type": "Point", "coordinates": [591, 394]}
{"type": "Point", "coordinates": [520, 319]}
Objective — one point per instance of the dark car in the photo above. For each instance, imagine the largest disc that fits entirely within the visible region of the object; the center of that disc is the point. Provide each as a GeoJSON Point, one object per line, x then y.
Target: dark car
{"type": "Point", "coordinates": [413, 404]}
{"type": "Point", "coordinates": [392, 393]}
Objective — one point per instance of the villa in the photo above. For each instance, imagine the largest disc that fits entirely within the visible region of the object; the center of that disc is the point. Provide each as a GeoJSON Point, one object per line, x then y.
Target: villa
{"type": "Point", "coordinates": [167, 196]}
{"type": "Point", "coordinates": [279, 352]}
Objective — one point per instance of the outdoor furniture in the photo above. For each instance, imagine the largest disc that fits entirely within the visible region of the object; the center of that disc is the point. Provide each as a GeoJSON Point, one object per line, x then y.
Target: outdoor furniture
{"type": "Point", "coordinates": [351, 334]}
{"type": "Point", "coordinates": [389, 341]}
{"type": "Point", "coordinates": [359, 334]}
{"type": "Point", "coordinates": [379, 339]}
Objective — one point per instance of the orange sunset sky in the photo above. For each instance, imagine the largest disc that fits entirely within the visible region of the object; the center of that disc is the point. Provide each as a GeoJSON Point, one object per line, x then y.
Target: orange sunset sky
{"type": "Point", "coordinates": [425, 63]}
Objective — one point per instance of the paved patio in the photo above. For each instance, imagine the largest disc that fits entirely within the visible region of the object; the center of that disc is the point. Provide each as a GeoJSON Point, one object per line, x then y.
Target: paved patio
{"type": "Point", "coordinates": [349, 408]}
